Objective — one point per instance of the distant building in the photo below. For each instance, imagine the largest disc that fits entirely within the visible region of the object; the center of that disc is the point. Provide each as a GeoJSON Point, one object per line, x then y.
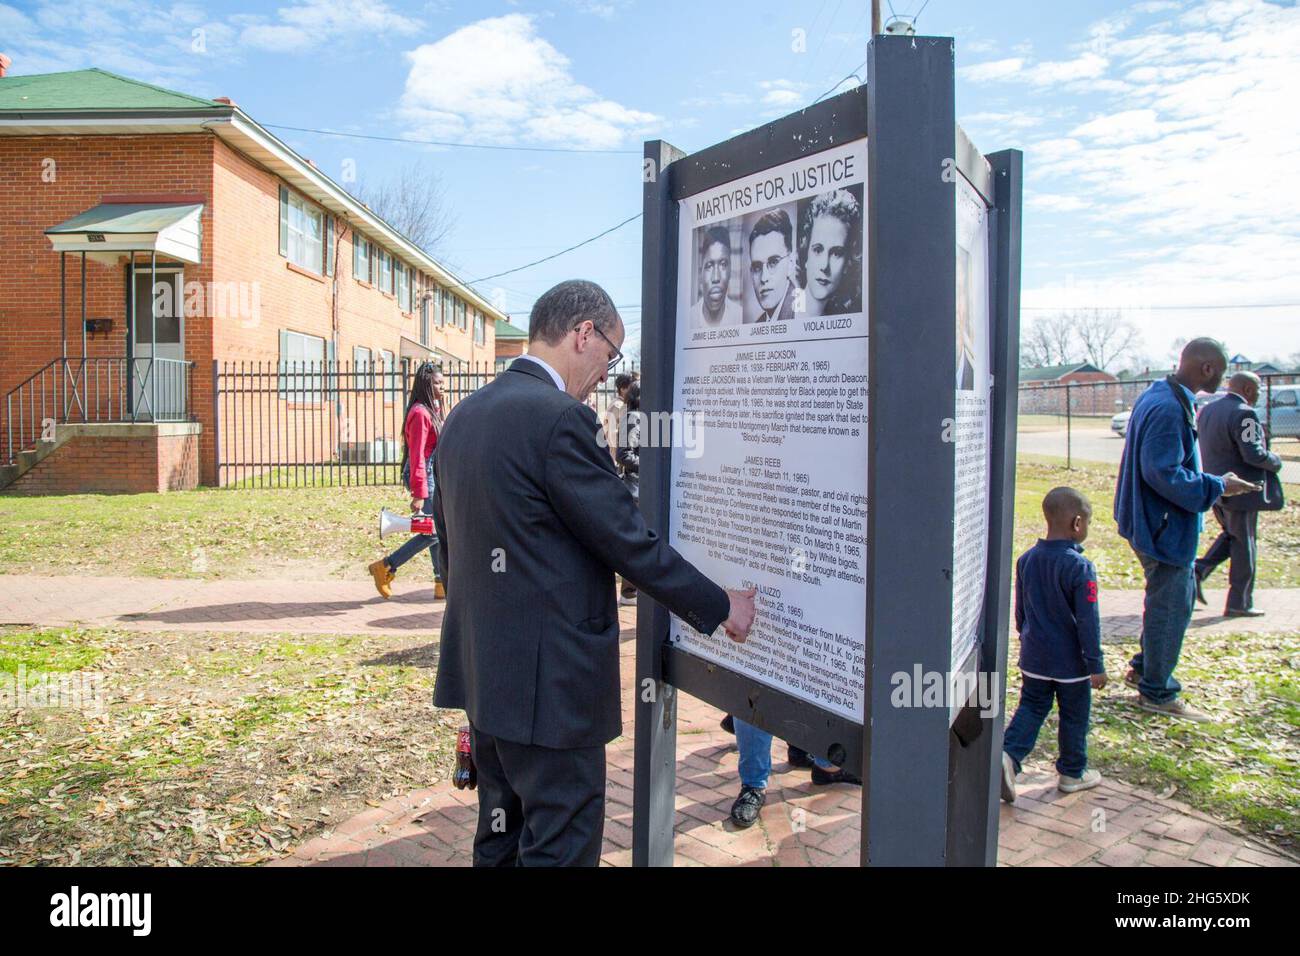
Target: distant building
{"type": "Point", "coordinates": [1044, 390]}
{"type": "Point", "coordinates": [511, 342]}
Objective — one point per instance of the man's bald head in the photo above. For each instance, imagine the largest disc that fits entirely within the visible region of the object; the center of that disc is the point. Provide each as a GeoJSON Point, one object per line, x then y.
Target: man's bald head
{"type": "Point", "coordinates": [1245, 384]}
{"type": "Point", "coordinates": [1202, 364]}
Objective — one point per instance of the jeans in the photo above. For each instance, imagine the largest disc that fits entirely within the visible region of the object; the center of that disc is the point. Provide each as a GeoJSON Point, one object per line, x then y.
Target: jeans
{"type": "Point", "coordinates": [1166, 613]}
{"type": "Point", "coordinates": [1073, 701]}
{"type": "Point", "coordinates": [756, 755]}
{"type": "Point", "coordinates": [1236, 543]}
{"type": "Point", "coordinates": [416, 544]}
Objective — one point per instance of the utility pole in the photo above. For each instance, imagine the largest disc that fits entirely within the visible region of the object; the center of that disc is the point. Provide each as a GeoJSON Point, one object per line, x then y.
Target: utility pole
{"type": "Point", "coordinates": [875, 18]}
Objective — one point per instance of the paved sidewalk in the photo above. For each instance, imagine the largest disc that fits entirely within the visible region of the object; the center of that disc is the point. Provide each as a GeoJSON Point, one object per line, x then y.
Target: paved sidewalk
{"type": "Point", "coordinates": [333, 606]}
{"type": "Point", "coordinates": [802, 825]}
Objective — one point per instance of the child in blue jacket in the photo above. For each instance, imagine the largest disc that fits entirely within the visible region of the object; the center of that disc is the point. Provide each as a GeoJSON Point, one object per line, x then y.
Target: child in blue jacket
{"type": "Point", "coordinates": [1060, 644]}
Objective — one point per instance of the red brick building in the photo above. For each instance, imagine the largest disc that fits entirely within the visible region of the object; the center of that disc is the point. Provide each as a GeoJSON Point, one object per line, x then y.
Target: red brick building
{"type": "Point", "coordinates": [167, 233]}
{"type": "Point", "coordinates": [1096, 395]}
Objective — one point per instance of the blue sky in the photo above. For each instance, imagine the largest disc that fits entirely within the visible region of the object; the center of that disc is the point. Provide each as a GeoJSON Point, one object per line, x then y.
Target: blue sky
{"type": "Point", "coordinates": [1161, 140]}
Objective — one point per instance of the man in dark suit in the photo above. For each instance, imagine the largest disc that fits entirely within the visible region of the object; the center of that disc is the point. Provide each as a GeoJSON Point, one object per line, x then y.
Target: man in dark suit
{"type": "Point", "coordinates": [534, 521]}
{"type": "Point", "coordinates": [1232, 439]}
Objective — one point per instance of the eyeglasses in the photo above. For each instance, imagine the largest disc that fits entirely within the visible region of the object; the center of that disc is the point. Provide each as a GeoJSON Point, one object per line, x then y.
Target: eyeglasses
{"type": "Point", "coordinates": [757, 268]}
{"type": "Point", "coordinates": [618, 356]}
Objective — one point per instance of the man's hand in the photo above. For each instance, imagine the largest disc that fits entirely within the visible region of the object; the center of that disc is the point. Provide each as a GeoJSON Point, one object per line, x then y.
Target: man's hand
{"type": "Point", "coordinates": [1098, 681]}
{"type": "Point", "coordinates": [1232, 485]}
{"type": "Point", "coordinates": [417, 505]}
{"type": "Point", "coordinates": [741, 618]}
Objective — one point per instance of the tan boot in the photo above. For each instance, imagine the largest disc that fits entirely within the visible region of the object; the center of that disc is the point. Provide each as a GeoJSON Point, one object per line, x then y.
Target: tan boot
{"type": "Point", "coordinates": [439, 591]}
{"type": "Point", "coordinates": [383, 575]}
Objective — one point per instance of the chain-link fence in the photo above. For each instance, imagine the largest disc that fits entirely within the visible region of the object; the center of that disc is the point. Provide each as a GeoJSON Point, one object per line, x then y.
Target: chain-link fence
{"type": "Point", "coordinates": [1076, 422]}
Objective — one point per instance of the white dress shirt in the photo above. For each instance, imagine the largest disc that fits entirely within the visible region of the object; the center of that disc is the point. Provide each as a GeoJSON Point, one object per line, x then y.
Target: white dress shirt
{"type": "Point", "coordinates": [555, 376]}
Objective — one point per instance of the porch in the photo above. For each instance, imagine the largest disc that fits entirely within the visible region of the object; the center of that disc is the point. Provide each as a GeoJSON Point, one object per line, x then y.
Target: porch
{"type": "Point", "coordinates": [148, 382]}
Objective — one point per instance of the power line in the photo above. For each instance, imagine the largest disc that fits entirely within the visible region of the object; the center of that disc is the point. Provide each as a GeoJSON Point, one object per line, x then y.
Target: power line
{"type": "Point", "coordinates": [853, 75]}
{"type": "Point", "coordinates": [436, 142]}
{"type": "Point", "coordinates": [1156, 308]}
{"type": "Point", "coordinates": [555, 255]}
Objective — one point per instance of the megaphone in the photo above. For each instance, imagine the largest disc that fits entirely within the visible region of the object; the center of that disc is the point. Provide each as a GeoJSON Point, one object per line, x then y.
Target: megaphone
{"type": "Point", "coordinates": [390, 522]}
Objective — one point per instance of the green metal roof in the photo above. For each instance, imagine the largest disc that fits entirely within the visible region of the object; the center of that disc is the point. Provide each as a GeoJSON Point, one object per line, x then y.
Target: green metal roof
{"type": "Point", "coordinates": [507, 332]}
{"type": "Point", "coordinates": [92, 89]}
{"type": "Point", "coordinates": [126, 218]}
{"type": "Point", "coordinates": [1050, 373]}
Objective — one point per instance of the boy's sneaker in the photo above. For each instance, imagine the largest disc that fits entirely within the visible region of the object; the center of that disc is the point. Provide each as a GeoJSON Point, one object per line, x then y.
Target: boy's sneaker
{"type": "Point", "coordinates": [1089, 780]}
{"type": "Point", "coordinates": [745, 810]}
{"type": "Point", "coordinates": [1174, 708]}
{"type": "Point", "coordinates": [1008, 778]}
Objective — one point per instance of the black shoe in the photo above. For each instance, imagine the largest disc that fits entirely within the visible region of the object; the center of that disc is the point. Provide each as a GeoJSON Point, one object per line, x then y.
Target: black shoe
{"type": "Point", "coordinates": [745, 810]}
{"type": "Point", "coordinates": [728, 725]}
{"type": "Point", "coordinates": [798, 757]}
{"type": "Point", "coordinates": [1246, 612]}
{"type": "Point", "coordinates": [823, 777]}
{"type": "Point", "coordinates": [1200, 591]}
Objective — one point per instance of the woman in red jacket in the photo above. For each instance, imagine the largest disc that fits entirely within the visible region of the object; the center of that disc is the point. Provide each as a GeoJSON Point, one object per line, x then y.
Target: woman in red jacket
{"type": "Point", "coordinates": [419, 438]}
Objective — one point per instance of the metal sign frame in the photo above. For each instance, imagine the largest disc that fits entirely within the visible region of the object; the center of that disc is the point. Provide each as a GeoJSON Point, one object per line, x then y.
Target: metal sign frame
{"type": "Point", "coordinates": [929, 780]}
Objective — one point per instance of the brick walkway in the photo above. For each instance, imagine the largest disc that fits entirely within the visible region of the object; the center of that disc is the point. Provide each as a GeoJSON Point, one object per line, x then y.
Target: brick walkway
{"type": "Point", "coordinates": [1114, 825]}
{"type": "Point", "coordinates": [333, 606]}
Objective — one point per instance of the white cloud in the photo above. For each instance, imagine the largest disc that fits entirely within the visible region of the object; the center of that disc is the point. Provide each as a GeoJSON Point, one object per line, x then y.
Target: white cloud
{"type": "Point", "coordinates": [310, 23]}
{"type": "Point", "coordinates": [498, 81]}
{"type": "Point", "coordinates": [1183, 175]}
{"type": "Point", "coordinates": [993, 70]}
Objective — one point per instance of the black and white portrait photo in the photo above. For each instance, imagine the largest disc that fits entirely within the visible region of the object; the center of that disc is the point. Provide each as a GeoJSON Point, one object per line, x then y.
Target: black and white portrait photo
{"type": "Point", "coordinates": [829, 267]}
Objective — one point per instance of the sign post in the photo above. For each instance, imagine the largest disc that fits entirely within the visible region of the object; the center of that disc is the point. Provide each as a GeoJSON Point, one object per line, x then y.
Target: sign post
{"type": "Point", "coordinates": [829, 344]}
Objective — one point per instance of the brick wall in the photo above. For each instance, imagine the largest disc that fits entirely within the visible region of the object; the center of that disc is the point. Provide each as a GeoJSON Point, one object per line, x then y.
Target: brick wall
{"type": "Point", "coordinates": [117, 459]}
{"type": "Point", "coordinates": [240, 249]}
{"type": "Point", "coordinates": [45, 180]}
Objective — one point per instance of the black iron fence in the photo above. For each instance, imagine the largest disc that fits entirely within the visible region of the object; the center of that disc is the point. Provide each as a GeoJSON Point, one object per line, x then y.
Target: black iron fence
{"type": "Point", "coordinates": [295, 424]}
{"type": "Point", "coordinates": [1087, 421]}
{"type": "Point", "coordinates": [93, 390]}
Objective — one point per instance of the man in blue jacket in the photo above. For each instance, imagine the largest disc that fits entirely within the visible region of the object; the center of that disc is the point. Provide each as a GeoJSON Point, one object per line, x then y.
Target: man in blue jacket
{"type": "Point", "coordinates": [1160, 501]}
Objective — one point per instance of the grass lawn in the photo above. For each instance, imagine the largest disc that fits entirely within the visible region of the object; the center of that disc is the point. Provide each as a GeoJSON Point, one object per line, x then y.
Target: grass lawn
{"type": "Point", "coordinates": [212, 749]}
{"type": "Point", "coordinates": [1244, 767]}
{"type": "Point", "coordinates": [333, 531]}
{"type": "Point", "coordinates": [1279, 531]}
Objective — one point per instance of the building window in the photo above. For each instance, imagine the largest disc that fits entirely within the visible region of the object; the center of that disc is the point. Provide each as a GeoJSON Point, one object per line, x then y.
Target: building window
{"type": "Point", "coordinates": [302, 359]}
{"type": "Point", "coordinates": [360, 367]}
{"type": "Point", "coordinates": [391, 389]}
{"type": "Point", "coordinates": [426, 306]}
{"type": "Point", "coordinates": [302, 232]}
{"type": "Point", "coordinates": [385, 282]}
{"type": "Point", "coordinates": [479, 332]}
{"type": "Point", "coordinates": [439, 306]}
{"type": "Point", "coordinates": [403, 287]}
{"type": "Point", "coordinates": [360, 258]}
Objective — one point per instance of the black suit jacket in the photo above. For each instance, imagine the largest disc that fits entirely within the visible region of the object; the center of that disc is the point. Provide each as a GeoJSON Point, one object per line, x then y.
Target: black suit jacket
{"type": "Point", "coordinates": [1231, 439]}
{"type": "Point", "coordinates": [532, 523]}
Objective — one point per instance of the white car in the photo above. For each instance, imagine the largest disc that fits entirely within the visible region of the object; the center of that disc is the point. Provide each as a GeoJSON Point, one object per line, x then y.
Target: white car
{"type": "Point", "coordinates": [1119, 423]}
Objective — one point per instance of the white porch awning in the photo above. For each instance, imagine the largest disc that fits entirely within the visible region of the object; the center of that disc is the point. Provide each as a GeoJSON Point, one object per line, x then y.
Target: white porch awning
{"type": "Point", "coordinates": [110, 229]}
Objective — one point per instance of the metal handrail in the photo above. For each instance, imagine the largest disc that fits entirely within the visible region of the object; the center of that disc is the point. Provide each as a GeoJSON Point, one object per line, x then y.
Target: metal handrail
{"type": "Point", "coordinates": [92, 389]}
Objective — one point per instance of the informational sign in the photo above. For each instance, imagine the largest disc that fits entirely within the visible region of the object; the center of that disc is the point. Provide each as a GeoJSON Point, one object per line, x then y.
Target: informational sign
{"type": "Point", "coordinates": [771, 373]}
{"type": "Point", "coordinates": [971, 424]}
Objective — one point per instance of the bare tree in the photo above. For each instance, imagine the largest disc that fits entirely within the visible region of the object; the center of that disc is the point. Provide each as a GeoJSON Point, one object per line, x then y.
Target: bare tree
{"type": "Point", "coordinates": [1105, 336]}
{"type": "Point", "coordinates": [414, 202]}
{"type": "Point", "coordinates": [1048, 341]}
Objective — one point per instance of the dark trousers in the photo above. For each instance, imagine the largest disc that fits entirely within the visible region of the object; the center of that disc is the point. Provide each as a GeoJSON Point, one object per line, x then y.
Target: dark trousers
{"type": "Point", "coordinates": [1073, 702]}
{"type": "Point", "coordinates": [538, 806]}
{"type": "Point", "coordinates": [1165, 615]}
{"type": "Point", "coordinates": [1235, 543]}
